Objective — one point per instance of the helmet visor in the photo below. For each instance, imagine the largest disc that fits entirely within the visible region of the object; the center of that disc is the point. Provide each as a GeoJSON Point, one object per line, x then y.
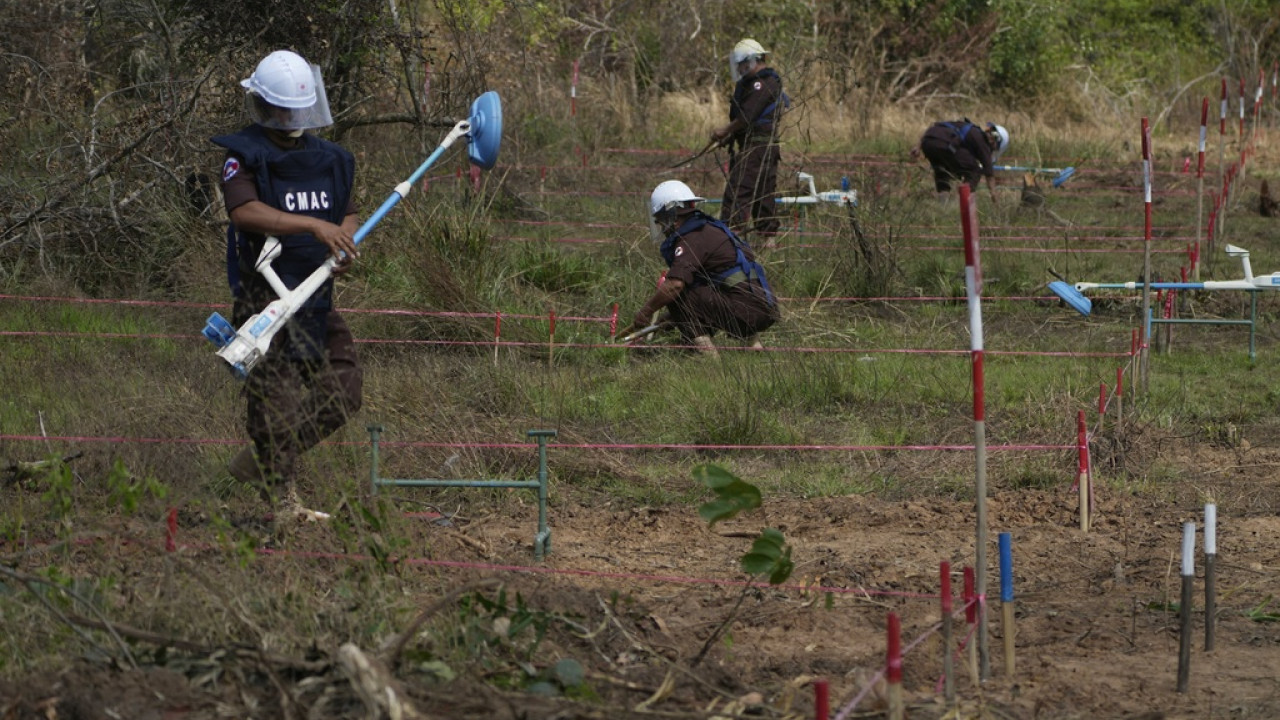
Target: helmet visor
{"type": "Point", "coordinates": [289, 119]}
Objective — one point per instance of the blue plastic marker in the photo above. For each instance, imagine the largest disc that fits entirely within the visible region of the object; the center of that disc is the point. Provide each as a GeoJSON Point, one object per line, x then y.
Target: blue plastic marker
{"type": "Point", "coordinates": [1006, 599]}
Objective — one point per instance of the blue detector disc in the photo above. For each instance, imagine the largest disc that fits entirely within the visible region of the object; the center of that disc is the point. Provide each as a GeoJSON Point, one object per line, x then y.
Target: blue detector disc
{"type": "Point", "coordinates": [1071, 296]}
{"type": "Point", "coordinates": [485, 136]}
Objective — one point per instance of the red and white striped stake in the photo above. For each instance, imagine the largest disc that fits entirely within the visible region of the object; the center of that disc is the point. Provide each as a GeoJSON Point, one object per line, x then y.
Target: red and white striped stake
{"type": "Point", "coordinates": [1222, 167]}
{"type": "Point", "coordinates": [1257, 100]}
{"type": "Point", "coordinates": [1222, 120]}
{"type": "Point", "coordinates": [613, 322]}
{"type": "Point", "coordinates": [973, 286]}
{"type": "Point", "coordinates": [1146, 254]}
{"type": "Point", "coordinates": [948, 670]}
{"type": "Point", "coordinates": [573, 92]}
{"type": "Point", "coordinates": [893, 668]}
{"type": "Point", "coordinates": [1184, 614]}
{"type": "Point", "coordinates": [1242, 108]}
{"type": "Point", "coordinates": [1204, 126]}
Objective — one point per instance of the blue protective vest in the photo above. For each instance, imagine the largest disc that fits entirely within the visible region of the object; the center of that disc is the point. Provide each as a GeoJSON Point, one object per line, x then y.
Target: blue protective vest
{"type": "Point", "coordinates": [743, 270]}
{"type": "Point", "coordinates": [743, 88]}
{"type": "Point", "coordinates": [314, 179]}
{"type": "Point", "coordinates": [961, 131]}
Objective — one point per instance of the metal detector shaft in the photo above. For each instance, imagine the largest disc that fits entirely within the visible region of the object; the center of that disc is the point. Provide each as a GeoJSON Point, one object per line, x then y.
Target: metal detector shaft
{"type": "Point", "coordinates": [1061, 175]}
{"type": "Point", "coordinates": [401, 190]}
{"type": "Point", "coordinates": [1269, 282]}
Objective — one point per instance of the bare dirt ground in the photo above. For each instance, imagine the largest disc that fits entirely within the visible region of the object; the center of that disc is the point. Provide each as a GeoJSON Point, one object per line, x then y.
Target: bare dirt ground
{"type": "Point", "coordinates": [636, 592]}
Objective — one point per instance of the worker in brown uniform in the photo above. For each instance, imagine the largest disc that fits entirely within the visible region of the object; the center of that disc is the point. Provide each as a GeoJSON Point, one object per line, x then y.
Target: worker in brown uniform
{"type": "Point", "coordinates": [713, 282]}
{"type": "Point", "coordinates": [959, 150]}
{"type": "Point", "coordinates": [752, 135]}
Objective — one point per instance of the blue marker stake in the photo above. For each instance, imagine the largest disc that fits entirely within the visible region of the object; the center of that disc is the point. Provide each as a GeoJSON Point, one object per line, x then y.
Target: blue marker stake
{"type": "Point", "coordinates": [1006, 599]}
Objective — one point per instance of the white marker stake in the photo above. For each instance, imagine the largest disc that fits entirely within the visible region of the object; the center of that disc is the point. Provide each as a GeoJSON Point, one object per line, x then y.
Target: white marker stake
{"type": "Point", "coordinates": [1210, 575]}
{"type": "Point", "coordinates": [1188, 579]}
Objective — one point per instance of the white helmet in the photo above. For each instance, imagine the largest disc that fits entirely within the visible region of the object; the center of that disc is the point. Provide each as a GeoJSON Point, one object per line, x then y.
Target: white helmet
{"type": "Point", "coordinates": [1002, 140]}
{"type": "Point", "coordinates": [286, 93]}
{"type": "Point", "coordinates": [745, 50]}
{"type": "Point", "coordinates": [671, 195]}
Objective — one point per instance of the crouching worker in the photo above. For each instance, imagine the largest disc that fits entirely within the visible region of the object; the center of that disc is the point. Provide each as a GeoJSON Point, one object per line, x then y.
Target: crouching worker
{"type": "Point", "coordinates": [278, 180]}
{"type": "Point", "coordinates": [713, 282]}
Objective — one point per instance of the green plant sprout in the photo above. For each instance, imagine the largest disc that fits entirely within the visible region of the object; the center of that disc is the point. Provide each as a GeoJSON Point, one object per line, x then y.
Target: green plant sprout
{"type": "Point", "coordinates": [770, 556]}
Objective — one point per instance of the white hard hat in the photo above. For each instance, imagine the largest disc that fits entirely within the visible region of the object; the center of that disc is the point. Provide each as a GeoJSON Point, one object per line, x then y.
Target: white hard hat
{"type": "Point", "coordinates": [745, 50]}
{"type": "Point", "coordinates": [287, 93]}
{"type": "Point", "coordinates": [1002, 140]}
{"type": "Point", "coordinates": [671, 195]}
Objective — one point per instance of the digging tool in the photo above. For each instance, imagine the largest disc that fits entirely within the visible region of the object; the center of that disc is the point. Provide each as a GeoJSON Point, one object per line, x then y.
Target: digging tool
{"type": "Point", "coordinates": [244, 348]}
{"type": "Point", "coordinates": [1061, 175]}
{"type": "Point", "coordinates": [1073, 295]}
{"type": "Point", "coordinates": [644, 332]}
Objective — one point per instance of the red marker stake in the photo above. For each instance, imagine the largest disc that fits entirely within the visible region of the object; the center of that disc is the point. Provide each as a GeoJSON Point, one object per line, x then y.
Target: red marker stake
{"type": "Point", "coordinates": [171, 531]}
{"type": "Point", "coordinates": [893, 668]}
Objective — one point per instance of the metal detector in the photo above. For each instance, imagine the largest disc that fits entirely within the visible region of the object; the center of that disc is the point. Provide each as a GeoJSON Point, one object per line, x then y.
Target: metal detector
{"type": "Point", "coordinates": [1074, 296]}
{"type": "Point", "coordinates": [1061, 175]}
{"type": "Point", "coordinates": [838, 197]}
{"type": "Point", "coordinates": [243, 348]}
{"type": "Point", "coordinates": [835, 197]}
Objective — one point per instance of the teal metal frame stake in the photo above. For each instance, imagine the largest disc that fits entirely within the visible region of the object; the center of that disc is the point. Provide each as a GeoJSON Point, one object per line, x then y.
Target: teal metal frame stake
{"type": "Point", "coordinates": [541, 541]}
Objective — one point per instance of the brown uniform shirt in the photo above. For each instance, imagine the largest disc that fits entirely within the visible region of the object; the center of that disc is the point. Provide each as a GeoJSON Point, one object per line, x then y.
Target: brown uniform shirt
{"type": "Point", "coordinates": [703, 307]}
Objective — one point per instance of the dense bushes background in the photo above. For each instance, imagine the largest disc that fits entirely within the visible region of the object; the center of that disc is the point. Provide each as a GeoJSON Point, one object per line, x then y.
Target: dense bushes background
{"type": "Point", "coordinates": [106, 107]}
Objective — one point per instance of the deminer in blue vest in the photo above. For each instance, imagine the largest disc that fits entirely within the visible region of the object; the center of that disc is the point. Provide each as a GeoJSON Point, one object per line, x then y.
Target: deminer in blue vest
{"type": "Point", "coordinates": [713, 282]}
{"type": "Point", "coordinates": [960, 150]}
{"type": "Point", "coordinates": [279, 180]}
{"type": "Point", "coordinates": [752, 135]}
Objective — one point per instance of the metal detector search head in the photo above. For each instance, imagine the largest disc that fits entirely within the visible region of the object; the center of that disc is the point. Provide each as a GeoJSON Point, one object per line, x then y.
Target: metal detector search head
{"type": "Point", "coordinates": [1071, 296]}
{"type": "Point", "coordinates": [485, 135]}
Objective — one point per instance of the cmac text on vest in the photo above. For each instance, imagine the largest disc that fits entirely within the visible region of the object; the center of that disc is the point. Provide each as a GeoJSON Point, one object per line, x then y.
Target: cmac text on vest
{"type": "Point", "coordinates": [306, 201]}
